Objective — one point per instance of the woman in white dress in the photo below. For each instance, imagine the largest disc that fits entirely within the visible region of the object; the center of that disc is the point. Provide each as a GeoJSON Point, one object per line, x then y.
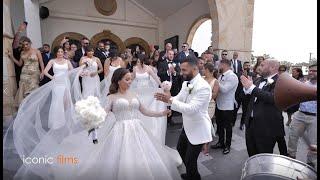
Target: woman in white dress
{"type": "Point", "coordinates": [46, 116]}
{"type": "Point", "coordinates": [126, 150]}
{"type": "Point", "coordinates": [145, 84]}
{"type": "Point", "coordinates": [211, 74]}
{"type": "Point", "coordinates": [110, 65]}
{"type": "Point", "coordinates": [90, 75]}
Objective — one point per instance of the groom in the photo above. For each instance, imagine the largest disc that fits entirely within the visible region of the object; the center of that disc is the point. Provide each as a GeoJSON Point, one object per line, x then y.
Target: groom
{"type": "Point", "coordinates": [192, 101]}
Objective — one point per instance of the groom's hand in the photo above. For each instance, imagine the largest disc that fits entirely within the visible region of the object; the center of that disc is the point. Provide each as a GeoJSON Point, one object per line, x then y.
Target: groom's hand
{"type": "Point", "coordinates": [163, 97]}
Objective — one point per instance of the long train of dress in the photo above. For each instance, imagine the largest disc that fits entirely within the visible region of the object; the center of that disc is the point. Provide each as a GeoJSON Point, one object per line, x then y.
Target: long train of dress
{"type": "Point", "coordinates": [145, 87]}
{"type": "Point", "coordinates": [126, 151]}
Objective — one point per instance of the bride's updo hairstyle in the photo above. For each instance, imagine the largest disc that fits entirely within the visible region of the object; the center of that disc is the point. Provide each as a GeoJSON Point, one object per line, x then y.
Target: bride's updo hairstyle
{"type": "Point", "coordinates": [116, 77]}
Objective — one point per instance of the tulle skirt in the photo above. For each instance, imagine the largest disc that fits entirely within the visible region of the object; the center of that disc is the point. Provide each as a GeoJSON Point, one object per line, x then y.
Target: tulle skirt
{"type": "Point", "coordinates": [126, 151]}
{"type": "Point", "coordinates": [91, 86]}
{"type": "Point", "coordinates": [157, 126]}
{"type": "Point", "coordinates": [45, 117]}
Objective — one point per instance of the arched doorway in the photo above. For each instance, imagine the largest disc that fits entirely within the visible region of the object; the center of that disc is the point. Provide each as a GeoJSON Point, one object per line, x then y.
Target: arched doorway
{"type": "Point", "coordinates": [132, 42]}
{"type": "Point", "coordinates": [106, 35]}
{"type": "Point", "coordinates": [73, 38]}
{"type": "Point", "coordinates": [202, 37]}
{"type": "Point", "coordinates": [195, 25]}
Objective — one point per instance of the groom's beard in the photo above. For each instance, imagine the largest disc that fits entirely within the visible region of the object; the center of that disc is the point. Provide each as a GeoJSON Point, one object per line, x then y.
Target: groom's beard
{"type": "Point", "coordinates": [188, 77]}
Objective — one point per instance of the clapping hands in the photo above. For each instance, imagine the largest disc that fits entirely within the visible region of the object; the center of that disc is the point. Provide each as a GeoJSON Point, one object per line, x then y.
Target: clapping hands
{"type": "Point", "coordinates": [246, 82]}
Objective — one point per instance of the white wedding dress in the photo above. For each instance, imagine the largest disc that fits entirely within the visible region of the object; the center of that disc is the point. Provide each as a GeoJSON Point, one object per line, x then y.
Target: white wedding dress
{"type": "Point", "coordinates": [91, 85]}
{"type": "Point", "coordinates": [126, 151]}
{"type": "Point", "coordinates": [45, 117]}
{"type": "Point", "coordinates": [145, 87]}
{"type": "Point", "coordinates": [106, 82]}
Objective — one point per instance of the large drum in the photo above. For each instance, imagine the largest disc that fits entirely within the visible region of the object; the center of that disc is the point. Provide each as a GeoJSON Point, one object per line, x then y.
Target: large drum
{"type": "Point", "coordinates": [276, 167]}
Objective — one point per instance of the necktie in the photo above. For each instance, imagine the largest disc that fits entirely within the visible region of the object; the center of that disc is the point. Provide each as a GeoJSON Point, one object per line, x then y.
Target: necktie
{"type": "Point", "coordinates": [235, 66]}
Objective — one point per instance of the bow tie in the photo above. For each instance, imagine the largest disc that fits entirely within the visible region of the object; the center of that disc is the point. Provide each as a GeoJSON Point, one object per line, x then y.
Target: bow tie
{"type": "Point", "coordinates": [169, 62]}
{"type": "Point", "coordinates": [264, 80]}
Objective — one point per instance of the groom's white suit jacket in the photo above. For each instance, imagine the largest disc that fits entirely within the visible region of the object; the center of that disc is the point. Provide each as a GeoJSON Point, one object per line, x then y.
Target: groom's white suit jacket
{"type": "Point", "coordinates": [194, 109]}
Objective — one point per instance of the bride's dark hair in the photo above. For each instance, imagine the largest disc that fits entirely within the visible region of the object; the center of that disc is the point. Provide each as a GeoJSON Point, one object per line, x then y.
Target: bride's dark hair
{"type": "Point", "coordinates": [116, 77]}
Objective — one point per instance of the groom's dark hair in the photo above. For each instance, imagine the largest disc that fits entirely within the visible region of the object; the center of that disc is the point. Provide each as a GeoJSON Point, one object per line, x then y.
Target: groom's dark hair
{"type": "Point", "coordinates": [191, 60]}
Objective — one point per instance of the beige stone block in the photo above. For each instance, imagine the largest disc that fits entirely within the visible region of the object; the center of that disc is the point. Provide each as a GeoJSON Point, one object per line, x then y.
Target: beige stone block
{"type": "Point", "coordinates": [8, 108]}
{"type": "Point", "coordinates": [9, 86]}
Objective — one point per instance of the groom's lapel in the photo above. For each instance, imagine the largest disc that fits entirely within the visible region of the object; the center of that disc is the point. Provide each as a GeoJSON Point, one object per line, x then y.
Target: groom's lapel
{"type": "Point", "coordinates": [194, 84]}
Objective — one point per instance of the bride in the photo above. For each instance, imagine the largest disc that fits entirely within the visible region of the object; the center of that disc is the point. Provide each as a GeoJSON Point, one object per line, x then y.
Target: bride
{"type": "Point", "coordinates": [126, 149]}
{"type": "Point", "coordinates": [145, 85]}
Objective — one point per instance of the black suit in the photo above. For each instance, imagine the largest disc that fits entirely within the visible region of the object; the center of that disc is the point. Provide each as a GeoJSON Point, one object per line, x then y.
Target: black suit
{"type": "Point", "coordinates": [266, 125]}
{"type": "Point", "coordinates": [16, 52]}
{"type": "Point", "coordinates": [46, 59]}
{"type": "Point", "coordinates": [102, 55]}
{"type": "Point", "coordinates": [176, 80]}
{"type": "Point", "coordinates": [161, 54]}
{"type": "Point", "coordinates": [239, 95]}
{"type": "Point", "coordinates": [244, 102]}
{"type": "Point", "coordinates": [78, 55]}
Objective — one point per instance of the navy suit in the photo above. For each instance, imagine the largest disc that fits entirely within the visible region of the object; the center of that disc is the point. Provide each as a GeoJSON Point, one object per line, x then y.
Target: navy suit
{"type": "Point", "coordinates": [181, 56]}
{"type": "Point", "coordinates": [46, 60]}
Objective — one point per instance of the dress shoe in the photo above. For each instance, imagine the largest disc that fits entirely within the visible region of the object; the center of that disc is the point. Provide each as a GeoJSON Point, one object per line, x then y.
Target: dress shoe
{"type": "Point", "coordinates": [216, 146]}
{"type": "Point", "coordinates": [226, 150]}
{"type": "Point", "coordinates": [184, 176]}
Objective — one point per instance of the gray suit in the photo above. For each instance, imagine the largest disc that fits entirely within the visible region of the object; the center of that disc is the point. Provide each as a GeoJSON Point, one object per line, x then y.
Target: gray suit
{"type": "Point", "coordinates": [228, 82]}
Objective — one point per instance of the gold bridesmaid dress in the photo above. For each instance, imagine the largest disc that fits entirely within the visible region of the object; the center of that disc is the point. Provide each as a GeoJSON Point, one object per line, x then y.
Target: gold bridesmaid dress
{"type": "Point", "coordinates": [29, 78]}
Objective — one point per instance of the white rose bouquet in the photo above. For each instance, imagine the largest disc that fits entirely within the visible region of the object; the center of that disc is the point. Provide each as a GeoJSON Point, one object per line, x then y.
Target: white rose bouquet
{"type": "Point", "coordinates": [91, 115]}
{"type": "Point", "coordinates": [166, 86]}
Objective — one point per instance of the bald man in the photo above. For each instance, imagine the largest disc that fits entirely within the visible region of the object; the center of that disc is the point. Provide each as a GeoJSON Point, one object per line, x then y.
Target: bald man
{"type": "Point", "coordinates": [263, 120]}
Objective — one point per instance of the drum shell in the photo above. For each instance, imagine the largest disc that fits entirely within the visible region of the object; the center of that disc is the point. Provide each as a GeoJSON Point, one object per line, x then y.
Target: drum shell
{"type": "Point", "coordinates": [276, 167]}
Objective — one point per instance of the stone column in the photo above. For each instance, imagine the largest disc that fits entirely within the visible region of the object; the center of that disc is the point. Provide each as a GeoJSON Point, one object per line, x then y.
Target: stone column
{"type": "Point", "coordinates": [9, 80]}
{"type": "Point", "coordinates": [32, 17]}
{"type": "Point", "coordinates": [232, 23]}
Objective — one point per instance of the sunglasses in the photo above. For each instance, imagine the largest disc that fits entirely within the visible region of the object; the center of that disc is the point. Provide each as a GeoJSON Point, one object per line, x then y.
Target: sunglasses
{"type": "Point", "coordinates": [224, 54]}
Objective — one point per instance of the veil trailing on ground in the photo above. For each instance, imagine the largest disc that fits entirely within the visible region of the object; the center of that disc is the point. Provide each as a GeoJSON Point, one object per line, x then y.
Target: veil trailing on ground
{"type": "Point", "coordinates": [44, 119]}
{"type": "Point", "coordinates": [145, 90]}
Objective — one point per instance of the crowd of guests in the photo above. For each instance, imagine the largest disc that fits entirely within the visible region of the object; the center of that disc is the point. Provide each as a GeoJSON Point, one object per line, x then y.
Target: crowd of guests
{"type": "Point", "coordinates": [234, 83]}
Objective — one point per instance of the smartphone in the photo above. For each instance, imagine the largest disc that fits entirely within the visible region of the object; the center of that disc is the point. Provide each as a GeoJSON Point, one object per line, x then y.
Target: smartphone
{"type": "Point", "coordinates": [25, 22]}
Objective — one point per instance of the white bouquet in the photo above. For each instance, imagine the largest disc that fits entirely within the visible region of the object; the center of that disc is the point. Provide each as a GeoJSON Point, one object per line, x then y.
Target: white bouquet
{"type": "Point", "coordinates": [166, 86]}
{"type": "Point", "coordinates": [91, 115]}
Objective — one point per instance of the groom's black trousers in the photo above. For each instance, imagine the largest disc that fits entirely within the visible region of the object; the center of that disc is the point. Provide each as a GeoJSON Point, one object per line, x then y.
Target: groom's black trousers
{"type": "Point", "coordinates": [189, 154]}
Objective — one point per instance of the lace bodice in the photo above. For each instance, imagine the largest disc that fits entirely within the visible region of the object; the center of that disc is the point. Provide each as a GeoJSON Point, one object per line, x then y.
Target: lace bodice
{"type": "Point", "coordinates": [93, 66]}
{"type": "Point", "coordinates": [31, 60]}
{"type": "Point", "coordinates": [125, 109]}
